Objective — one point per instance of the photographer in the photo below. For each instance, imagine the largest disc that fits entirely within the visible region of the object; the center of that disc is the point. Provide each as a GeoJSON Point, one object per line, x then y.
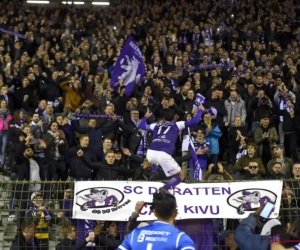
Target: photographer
{"type": "Point", "coordinates": [245, 235]}
{"type": "Point", "coordinates": [57, 166]}
{"type": "Point", "coordinates": [222, 174]}
{"type": "Point", "coordinates": [36, 128]}
{"type": "Point", "coordinates": [261, 106]}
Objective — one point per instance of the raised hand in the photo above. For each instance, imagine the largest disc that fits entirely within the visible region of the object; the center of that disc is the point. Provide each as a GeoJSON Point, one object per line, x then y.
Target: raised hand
{"type": "Point", "coordinates": [148, 113]}
{"type": "Point", "coordinates": [139, 206]}
{"type": "Point", "coordinates": [80, 153]}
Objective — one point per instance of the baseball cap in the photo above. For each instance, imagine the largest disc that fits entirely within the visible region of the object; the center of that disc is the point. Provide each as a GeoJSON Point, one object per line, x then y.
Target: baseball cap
{"type": "Point", "coordinates": [265, 116]}
{"type": "Point", "coordinates": [35, 194]}
{"type": "Point", "coordinates": [167, 88]}
{"type": "Point", "coordinates": [117, 150]}
{"type": "Point", "coordinates": [276, 146]}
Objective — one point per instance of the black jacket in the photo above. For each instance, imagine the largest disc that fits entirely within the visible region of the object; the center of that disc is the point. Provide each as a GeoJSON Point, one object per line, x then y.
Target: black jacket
{"type": "Point", "coordinates": [68, 244]}
{"type": "Point", "coordinates": [274, 176]}
{"type": "Point", "coordinates": [289, 124]}
{"type": "Point", "coordinates": [95, 134]}
{"type": "Point", "coordinates": [22, 169]}
{"type": "Point", "coordinates": [78, 168]}
{"type": "Point", "coordinates": [250, 176]}
{"type": "Point", "coordinates": [108, 242]}
{"type": "Point", "coordinates": [131, 135]}
{"type": "Point", "coordinates": [20, 243]}
{"type": "Point", "coordinates": [105, 171]}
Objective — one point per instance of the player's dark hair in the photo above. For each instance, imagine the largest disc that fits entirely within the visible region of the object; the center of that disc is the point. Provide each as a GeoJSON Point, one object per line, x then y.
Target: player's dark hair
{"type": "Point", "coordinates": [169, 114]}
{"type": "Point", "coordinates": [164, 205]}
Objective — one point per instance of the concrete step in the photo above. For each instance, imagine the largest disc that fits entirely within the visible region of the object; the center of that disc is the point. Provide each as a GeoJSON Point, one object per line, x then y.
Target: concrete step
{"type": "Point", "coordinates": [10, 232]}
{"type": "Point", "coordinates": [52, 245]}
{"type": "Point", "coordinates": [4, 220]}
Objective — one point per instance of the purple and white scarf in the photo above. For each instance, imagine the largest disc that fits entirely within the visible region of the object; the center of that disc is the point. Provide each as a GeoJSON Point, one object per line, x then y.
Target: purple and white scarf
{"type": "Point", "coordinates": [196, 39]}
{"type": "Point", "coordinates": [47, 215]}
{"type": "Point", "coordinates": [32, 242]}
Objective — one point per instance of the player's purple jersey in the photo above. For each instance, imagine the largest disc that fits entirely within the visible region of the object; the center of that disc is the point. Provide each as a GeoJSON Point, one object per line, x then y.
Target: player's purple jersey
{"type": "Point", "coordinates": [165, 135]}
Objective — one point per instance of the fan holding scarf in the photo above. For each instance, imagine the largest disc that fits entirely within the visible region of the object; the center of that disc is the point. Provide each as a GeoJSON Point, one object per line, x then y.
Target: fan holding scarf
{"type": "Point", "coordinates": [37, 210]}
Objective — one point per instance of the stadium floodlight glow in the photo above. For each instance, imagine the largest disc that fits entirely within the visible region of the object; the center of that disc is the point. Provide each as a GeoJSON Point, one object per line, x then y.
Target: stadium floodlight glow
{"type": "Point", "coordinates": [69, 2]}
{"type": "Point", "coordinates": [100, 3]}
{"type": "Point", "coordinates": [38, 2]}
{"type": "Point", "coordinates": [79, 3]}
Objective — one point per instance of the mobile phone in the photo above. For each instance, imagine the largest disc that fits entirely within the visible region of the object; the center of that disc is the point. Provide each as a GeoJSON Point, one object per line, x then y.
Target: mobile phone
{"type": "Point", "coordinates": [265, 213]}
{"type": "Point", "coordinates": [148, 203]}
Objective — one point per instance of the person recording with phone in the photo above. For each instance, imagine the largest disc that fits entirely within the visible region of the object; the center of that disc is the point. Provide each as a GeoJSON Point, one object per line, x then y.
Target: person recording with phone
{"type": "Point", "coordinates": [36, 128]}
{"type": "Point", "coordinates": [265, 136]}
{"type": "Point", "coordinates": [245, 235]}
{"type": "Point", "coordinates": [57, 166]}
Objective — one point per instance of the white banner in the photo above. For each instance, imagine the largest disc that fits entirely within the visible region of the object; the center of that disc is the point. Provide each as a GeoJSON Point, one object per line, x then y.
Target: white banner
{"type": "Point", "coordinates": [115, 200]}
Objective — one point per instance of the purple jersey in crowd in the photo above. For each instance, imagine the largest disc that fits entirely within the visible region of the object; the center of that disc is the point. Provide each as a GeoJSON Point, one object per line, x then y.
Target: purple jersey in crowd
{"type": "Point", "coordinates": [165, 135]}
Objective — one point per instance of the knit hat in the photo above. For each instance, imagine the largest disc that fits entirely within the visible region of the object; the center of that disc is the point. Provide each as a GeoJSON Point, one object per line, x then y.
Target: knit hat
{"type": "Point", "coordinates": [268, 226]}
{"type": "Point", "coordinates": [35, 194]}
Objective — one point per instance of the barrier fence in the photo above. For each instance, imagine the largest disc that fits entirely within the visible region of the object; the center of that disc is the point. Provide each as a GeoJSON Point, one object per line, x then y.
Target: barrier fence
{"type": "Point", "coordinates": [15, 205]}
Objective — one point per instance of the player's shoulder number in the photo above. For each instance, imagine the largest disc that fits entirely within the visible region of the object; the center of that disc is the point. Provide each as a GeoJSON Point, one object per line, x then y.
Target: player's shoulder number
{"type": "Point", "coordinates": [162, 130]}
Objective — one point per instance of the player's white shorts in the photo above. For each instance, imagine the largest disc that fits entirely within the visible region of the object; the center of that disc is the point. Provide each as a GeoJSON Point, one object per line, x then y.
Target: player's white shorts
{"type": "Point", "coordinates": [166, 161]}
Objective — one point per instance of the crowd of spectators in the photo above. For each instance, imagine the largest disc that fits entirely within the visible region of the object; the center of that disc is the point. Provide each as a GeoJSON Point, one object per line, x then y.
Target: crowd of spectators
{"type": "Point", "coordinates": [242, 56]}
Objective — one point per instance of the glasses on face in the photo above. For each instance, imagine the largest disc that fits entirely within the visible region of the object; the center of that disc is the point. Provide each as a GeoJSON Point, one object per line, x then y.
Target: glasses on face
{"type": "Point", "coordinates": [252, 167]}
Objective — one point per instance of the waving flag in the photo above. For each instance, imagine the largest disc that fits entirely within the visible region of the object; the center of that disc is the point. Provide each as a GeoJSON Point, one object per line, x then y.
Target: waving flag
{"type": "Point", "coordinates": [129, 66]}
{"type": "Point", "coordinates": [199, 100]}
{"type": "Point", "coordinates": [196, 164]}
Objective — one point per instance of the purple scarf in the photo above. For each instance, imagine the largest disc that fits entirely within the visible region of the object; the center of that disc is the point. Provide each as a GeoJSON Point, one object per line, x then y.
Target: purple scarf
{"type": "Point", "coordinates": [32, 242]}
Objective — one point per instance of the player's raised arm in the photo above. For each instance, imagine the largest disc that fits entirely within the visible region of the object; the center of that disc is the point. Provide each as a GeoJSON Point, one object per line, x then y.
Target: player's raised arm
{"type": "Point", "coordinates": [195, 119]}
{"type": "Point", "coordinates": [185, 242]}
{"type": "Point", "coordinates": [126, 244]}
{"type": "Point", "coordinates": [143, 125]}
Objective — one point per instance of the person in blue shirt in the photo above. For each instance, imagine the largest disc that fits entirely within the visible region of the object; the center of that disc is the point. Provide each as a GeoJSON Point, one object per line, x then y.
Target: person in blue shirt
{"type": "Point", "coordinates": [161, 234]}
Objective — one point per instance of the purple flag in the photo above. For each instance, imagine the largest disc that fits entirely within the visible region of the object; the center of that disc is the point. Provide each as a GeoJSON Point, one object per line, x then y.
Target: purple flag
{"type": "Point", "coordinates": [129, 66]}
{"type": "Point", "coordinates": [200, 99]}
{"type": "Point", "coordinates": [196, 164]}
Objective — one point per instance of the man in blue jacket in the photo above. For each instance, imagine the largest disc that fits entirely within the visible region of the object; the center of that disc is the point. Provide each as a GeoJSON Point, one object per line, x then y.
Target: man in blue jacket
{"type": "Point", "coordinates": [245, 236]}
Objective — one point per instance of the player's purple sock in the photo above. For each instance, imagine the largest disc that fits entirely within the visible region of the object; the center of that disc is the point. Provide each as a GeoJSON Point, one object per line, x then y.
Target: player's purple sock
{"type": "Point", "coordinates": [154, 168]}
{"type": "Point", "coordinates": [173, 182]}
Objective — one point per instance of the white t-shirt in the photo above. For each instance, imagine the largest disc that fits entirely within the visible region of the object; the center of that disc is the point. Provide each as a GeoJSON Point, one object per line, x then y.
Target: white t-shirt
{"type": "Point", "coordinates": [34, 176]}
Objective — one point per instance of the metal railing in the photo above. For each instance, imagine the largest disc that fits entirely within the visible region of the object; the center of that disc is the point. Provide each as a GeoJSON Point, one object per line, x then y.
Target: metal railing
{"type": "Point", "coordinates": [15, 197]}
